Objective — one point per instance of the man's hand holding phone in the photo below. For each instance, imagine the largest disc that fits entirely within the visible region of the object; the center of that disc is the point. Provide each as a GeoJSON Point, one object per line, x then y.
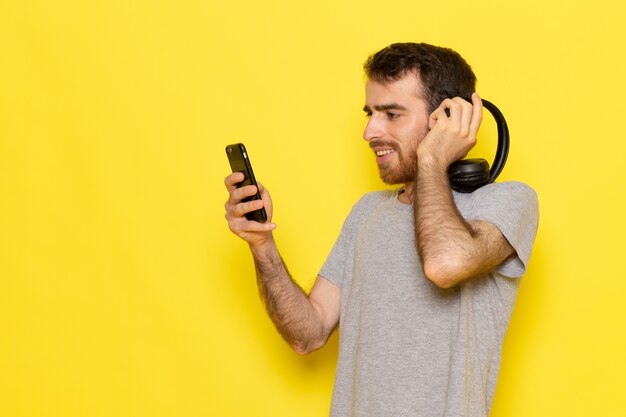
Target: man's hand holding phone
{"type": "Point", "coordinates": [253, 232]}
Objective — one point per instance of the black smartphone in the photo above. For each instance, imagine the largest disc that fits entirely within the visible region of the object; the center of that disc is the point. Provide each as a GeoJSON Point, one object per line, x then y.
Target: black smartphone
{"type": "Point", "coordinates": [240, 162]}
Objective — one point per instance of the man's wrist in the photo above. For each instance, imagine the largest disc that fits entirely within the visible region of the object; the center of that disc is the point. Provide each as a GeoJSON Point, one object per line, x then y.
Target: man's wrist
{"type": "Point", "coordinates": [264, 252]}
{"type": "Point", "coordinates": [429, 163]}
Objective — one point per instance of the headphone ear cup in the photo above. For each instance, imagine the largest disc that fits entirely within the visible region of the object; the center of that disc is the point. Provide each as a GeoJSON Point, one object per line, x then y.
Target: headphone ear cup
{"type": "Point", "coordinates": [467, 175]}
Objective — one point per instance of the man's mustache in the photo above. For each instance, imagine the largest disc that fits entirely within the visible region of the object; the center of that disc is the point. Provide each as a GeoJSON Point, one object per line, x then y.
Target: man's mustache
{"type": "Point", "coordinates": [380, 143]}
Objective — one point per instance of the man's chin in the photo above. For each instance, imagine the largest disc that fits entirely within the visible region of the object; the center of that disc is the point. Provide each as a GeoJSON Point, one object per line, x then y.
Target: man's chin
{"type": "Point", "coordinates": [403, 172]}
{"type": "Point", "coordinates": [395, 178]}
{"type": "Point", "coordinates": [389, 181]}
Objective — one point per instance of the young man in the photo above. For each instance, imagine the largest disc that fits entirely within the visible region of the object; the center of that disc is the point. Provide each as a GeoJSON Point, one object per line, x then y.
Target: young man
{"type": "Point", "coordinates": [423, 279]}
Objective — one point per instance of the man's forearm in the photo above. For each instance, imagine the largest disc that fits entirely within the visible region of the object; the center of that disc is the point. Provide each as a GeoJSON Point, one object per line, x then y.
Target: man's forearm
{"type": "Point", "coordinates": [444, 238]}
{"type": "Point", "coordinates": [287, 304]}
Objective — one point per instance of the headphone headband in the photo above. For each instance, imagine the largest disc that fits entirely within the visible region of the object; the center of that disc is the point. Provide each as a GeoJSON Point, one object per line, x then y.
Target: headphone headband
{"type": "Point", "coordinates": [502, 152]}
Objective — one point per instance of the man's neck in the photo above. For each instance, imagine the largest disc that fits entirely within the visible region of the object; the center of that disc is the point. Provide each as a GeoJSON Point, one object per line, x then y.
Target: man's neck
{"type": "Point", "coordinates": [407, 194]}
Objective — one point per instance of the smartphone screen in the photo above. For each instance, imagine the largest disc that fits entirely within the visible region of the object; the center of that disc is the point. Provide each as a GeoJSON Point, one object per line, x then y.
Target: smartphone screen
{"type": "Point", "coordinates": [240, 162]}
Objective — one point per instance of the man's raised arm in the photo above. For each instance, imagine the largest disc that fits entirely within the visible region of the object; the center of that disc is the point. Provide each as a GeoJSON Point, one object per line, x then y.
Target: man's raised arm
{"type": "Point", "coordinates": [451, 249]}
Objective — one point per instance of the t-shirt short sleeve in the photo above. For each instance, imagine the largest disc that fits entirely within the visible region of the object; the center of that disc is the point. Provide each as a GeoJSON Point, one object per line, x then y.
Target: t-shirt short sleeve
{"type": "Point", "coordinates": [513, 208]}
{"type": "Point", "coordinates": [337, 265]}
{"type": "Point", "coordinates": [334, 269]}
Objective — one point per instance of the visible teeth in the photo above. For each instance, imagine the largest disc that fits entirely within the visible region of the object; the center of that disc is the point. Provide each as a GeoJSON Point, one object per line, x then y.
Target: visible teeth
{"type": "Point", "coordinates": [381, 153]}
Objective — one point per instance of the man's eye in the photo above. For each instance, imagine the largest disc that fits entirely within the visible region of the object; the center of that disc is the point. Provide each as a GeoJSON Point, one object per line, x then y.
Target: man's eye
{"type": "Point", "coordinates": [392, 116]}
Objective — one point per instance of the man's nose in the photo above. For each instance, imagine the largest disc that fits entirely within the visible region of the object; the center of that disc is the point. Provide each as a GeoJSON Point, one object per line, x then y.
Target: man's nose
{"type": "Point", "coordinates": [373, 129]}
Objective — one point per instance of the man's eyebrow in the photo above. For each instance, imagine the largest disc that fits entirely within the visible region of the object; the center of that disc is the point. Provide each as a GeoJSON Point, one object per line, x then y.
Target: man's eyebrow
{"type": "Point", "coordinates": [383, 107]}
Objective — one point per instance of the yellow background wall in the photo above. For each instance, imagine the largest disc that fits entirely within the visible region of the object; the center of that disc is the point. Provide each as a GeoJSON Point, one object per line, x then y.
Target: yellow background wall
{"type": "Point", "coordinates": [122, 292]}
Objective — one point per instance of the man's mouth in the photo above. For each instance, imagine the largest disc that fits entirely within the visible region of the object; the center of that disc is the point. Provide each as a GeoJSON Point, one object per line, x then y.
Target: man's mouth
{"type": "Point", "coordinates": [385, 152]}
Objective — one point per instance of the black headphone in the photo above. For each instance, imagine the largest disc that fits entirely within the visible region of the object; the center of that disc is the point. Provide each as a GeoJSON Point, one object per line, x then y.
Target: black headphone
{"type": "Point", "coordinates": [467, 175]}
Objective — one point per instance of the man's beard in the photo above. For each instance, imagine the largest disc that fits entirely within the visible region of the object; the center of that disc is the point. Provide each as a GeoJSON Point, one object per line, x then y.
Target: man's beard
{"type": "Point", "coordinates": [402, 172]}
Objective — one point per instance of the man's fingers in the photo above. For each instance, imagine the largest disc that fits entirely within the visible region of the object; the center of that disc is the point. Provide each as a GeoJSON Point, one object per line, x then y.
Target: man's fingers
{"type": "Point", "coordinates": [240, 210]}
{"type": "Point", "coordinates": [241, 225]}
{"type": "Point", "coordinates": [477, 114]}
{"type": "Point", "coordinates": [239, 194]}
{"type": "Point", "coordinates": [263, 191]}
{"type": "Point", "coordinates": [232, 180]}
{"type": "Point", "coordinates": [236, 209]}
{"type": "Point", "coordinates": [252, 226]}
{"type": "Point", "coordinates": [464, 117]}
{"type": "Point", "coordinates": [450, 108]}
{"type": "Point", "coordinates": [454, 113]}
{"type": "Point", "coordinates": [438, 114]}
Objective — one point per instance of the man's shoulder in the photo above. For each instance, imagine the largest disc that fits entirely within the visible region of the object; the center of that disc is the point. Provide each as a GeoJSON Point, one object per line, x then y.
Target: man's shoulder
{"type": "Point", "coordinates": [506, 190]}
{"type": "Point", "coordinates": [376, 196]}
{"type": "Point", "coordinates": [499, 198]}
{"type": "Point", "coordinates": [497, 190]}
{"type": "Point", "coordinates": [370, 201]}
{"type": "Point", "coordinates": [511, 186]}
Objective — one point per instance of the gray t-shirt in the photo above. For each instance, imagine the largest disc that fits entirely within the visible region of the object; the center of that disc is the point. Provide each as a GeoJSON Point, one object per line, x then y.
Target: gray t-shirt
{"type": "Point", "coordinates": [407, 347]}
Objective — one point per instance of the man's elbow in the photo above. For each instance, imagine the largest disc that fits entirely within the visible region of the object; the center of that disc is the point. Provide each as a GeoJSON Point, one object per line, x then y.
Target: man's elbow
{"type": "Point", "coordinates": [307, 347]}
{"type": "Point", "coordinates": [444, 274]}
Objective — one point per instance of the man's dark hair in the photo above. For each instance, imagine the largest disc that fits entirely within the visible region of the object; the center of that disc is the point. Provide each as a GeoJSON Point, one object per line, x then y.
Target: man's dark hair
{"type": "Point", "coordinates": [442, 71]}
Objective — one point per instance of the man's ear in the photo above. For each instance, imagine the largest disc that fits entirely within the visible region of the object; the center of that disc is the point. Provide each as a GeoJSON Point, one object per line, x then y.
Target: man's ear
{"type": "Point", "coordinates": [431, 122]}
